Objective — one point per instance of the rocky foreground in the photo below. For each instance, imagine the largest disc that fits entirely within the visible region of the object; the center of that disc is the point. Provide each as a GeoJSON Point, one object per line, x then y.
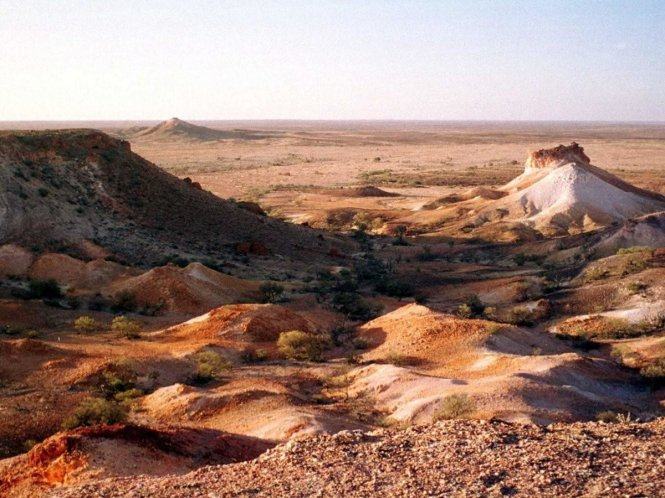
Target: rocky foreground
{"type": "Point", "coordinates": [455, 458]}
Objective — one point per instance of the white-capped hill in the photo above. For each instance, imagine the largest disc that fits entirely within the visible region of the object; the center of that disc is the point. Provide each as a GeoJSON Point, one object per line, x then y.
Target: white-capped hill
{"type": "Point", "coordinates": [561, 189]}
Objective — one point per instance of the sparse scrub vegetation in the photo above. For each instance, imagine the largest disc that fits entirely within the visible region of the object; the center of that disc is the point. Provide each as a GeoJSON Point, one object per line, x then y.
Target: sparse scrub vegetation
{"type": "Point", "coordinates": [654, 371]}
{"type": "Point", "coordinates": [271, 292]}
{"type": "Point", "coordinates": [596, 273]}
{"type": "Point", "coordinates": [94, 411]}
{"type": "Point", "coordinates": [85, 323]}
{"type": "Point", "coordinates": [636, 287]}
{"type": "Point", "coordinates": [129, 329]}
{"type": "Point", "coordinates": [44, 289]}
{"type": "Point", "coordinates": [123, 302]}
{"type": "Point", "coordinates": [400, 360]}
{"type": "Point", "coordinates": [472, 307]}
{"type": "Point", "coordinates": [521, 316]}
{"type": "Point", "coordinates": [455, 406]}
{"type": "Point", "coordinates": [299, 345]}
{"type": "Point", "coordinates": [208, 366]}
{"type": "Point", "coordinates": [634, 250]}
{"type": "Point", "coordinates": [251, 355]}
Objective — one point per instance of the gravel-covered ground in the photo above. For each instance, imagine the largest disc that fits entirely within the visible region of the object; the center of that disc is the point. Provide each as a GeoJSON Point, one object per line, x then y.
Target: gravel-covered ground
{"type": "Point", "coordinates": [455, 458]}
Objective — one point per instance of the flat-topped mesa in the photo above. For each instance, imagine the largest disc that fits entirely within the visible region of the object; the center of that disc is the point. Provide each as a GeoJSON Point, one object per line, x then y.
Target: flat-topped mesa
{"type": "Point", "coordinates": [555, 157]}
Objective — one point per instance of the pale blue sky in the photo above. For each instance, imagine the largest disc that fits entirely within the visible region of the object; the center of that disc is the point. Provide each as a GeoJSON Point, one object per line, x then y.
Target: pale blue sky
{"type": "Point", "coordinates": [196, 59]}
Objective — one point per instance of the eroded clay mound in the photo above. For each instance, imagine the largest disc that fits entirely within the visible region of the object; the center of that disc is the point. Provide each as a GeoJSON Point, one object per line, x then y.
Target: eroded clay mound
{"type": "Point", "coordinates": [261, 407]}
{"type": "Point", "coordinates": [175, 128]}
{"type": "Point", "coordinates": [558, 193]}
{"type": "Point", "coordinates": [512, 373]}
{"type": "Point", "coordinates": [61, 188]}
{"type": "Point", "coordinates": [245, 322]}
{"type": "Point", "coordinates": [647, 231]}
{"type": "Point", "coordinates": [77, 274]}
{"type": "Point", "coordinates": [193, 289]}
{"type": "Point", "coordinates": [453, 458]}
{"type": "Point", "coordinates": [473, 193]}
{"type": "Point", "coordinates": [14, 261]}
{"type": "Point", "coordinates": [87, 453]}
{"type": "Point", "coordinates": [366, 191]}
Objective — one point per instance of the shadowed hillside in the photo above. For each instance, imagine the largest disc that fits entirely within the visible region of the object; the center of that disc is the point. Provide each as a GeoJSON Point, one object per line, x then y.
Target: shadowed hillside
{"type": "Point", "coordinates": [62, 188]}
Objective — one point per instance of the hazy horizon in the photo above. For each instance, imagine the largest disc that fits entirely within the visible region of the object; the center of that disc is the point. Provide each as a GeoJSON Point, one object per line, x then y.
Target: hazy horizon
{"type": "Point", "coordinates": [552, 61]}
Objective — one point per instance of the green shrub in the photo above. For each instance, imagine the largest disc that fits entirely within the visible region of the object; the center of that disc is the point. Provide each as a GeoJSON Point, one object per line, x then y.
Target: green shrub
{"type": "Point", "coordinates": [464, 311]}
{"type": "Point", "coordinates": [521, 316]}
{"type": "Point", "coordinates": [299, 345]}
{"type": "Point", "coordinates": [251, 355]}
{"type": "Point", "coordinates": [85, 323]}
{"type": "Point", "coordinates": [117, 377]}
{"type": "Point", "coordinates": [44, 289]}
{"type": "Point", "coordinates": [354, 306]}
{"type": "Point", "coordinates": [271, 292]}
{"type": "Point", "coordinates": [596, 273]}
{"type": "Point", "coordinates": [360, 343]}
{"type": "Point", "coordinates": [636, 287]}
{"type": "Point", "coordinates": [607, 416]}
{"type": "Point", "coordinates": [93, 411]}
{"type": "Point", "coordinates": [455, 406]}
{"type": "Point", "coordinates": [654, 371]}
{"type": "Point", "coordinates": [209, 366]}
{"type": "Point", "coordinates": [471, 307]}
{"type": "Point", "coordinates": [394, 288]}
{"type": "Point", "coordinates": [28, 444]}
{"type": "Point", "coordinates": [400, 232]}
{"type": "Point", "coordinates": [129, 396]}
{"type": "Point", "coordinates": [635, 249]}
{"type": "Point", "coordinates": [123, 301]}
{"type": "Point", "coordinates": [127, 328]}
{"type": "Point", "coordinates": [400, 360]}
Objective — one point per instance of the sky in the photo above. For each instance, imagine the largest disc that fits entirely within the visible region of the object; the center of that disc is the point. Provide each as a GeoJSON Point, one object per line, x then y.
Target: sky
{"type": "Point", "coordinates": [324, 59]}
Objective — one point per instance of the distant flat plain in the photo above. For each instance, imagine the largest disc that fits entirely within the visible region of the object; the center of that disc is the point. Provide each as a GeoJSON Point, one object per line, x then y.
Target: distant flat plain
{"type": "Point", "coordinates": [300, 155]}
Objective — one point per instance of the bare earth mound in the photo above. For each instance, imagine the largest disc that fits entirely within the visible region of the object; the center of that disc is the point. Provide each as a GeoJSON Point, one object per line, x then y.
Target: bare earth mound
{"type": "Point", "coordinates": [90, 453]}
{"type": "Point", "coordinates": [174, 128]}
{"type": "Point", "coordinates": [460, 458]}
{"type": "Point", "coordinates": [510, 373]}
{"type": "Point", "coordinates": [61, 188]}
{"type": "Point", "coordinates": [193, 289]}
{"type": "Point", "coordinates": [559, 192]}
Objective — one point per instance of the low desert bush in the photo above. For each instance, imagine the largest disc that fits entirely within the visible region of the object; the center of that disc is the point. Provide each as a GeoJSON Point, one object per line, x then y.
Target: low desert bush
{"type": "Point", "coordinates": [130, 329]}
{"type": "Point", "coordinates": [93, 411]}
{"type": "Point", "coordinates": [521, 316]}
{"type": "Point", "coordinates": [123, 301]}
{"type": "Point", "coordinates": [400, 360]}
{"type": "Point", "coordinates": [251, 355]}
{"type": "Point", "coordinates": [634, 250]}
{"type": "Point", "coordinates": [607, 416]}
{"type": "Point", "coordinates": [85, 323]}
{"type": "Point", "coordinates": [117, 377]}
{"type": "Point", "coordinates": [354, 306]}
{"type": "Point", "coordinates": [299, 345]}
{"type": "Point", "coordinates": [611, 417]}
{"type": "Point", "coordinates": [464, 311]}
{"type": "Point", "coordinates": [596, 273]}
{"type": "Point", "coordinates": [129, 396]}
{"type": "Point", "coordinates": [455, 406]}
{"type": "Point", "coordinates": [360, 343]}
{"type": "Point", "coordinates": [209, 366]}
{"type": "Point", "coordinates": [44, 289]}
{"type": "Point", "coordinates": [636, 287]}
{"type": "Point", "coordinates": [655, 370]}
{"type": "Point", "coordinates": [271, 292]}
{"type": "Point", "coordinates": [472, 307]}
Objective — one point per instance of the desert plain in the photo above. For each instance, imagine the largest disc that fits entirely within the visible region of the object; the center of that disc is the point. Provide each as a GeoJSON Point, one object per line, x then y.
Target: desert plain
{"type": "Point", "coordinates": [200, 308]}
